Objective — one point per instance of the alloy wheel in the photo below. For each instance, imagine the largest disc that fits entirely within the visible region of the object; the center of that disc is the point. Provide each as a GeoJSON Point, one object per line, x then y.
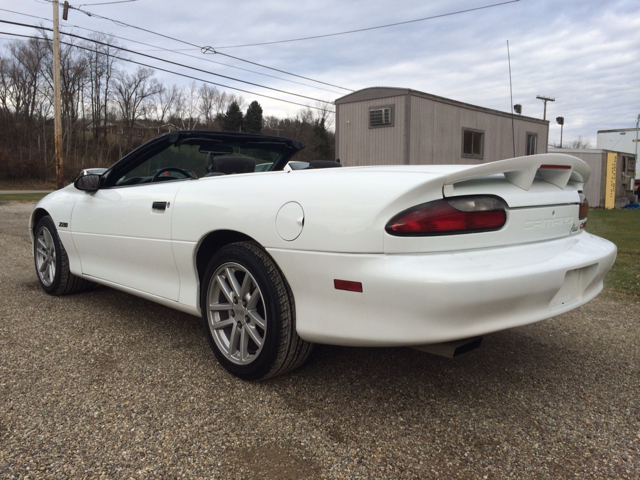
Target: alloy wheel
{"type": "Point", "coordinates": [45, 256]}
{"type": "Point", "coordinates": [236, 313]}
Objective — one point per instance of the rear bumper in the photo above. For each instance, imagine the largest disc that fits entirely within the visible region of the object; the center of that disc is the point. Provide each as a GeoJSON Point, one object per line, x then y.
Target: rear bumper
{"type": "Point", "coordinates": [414, 299]}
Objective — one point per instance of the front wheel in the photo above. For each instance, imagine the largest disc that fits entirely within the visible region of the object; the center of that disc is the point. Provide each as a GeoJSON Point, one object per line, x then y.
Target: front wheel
{"type": "Point", "coordinates": [249, 314]}
{"type": "Point", "coordinates": [52, 263]}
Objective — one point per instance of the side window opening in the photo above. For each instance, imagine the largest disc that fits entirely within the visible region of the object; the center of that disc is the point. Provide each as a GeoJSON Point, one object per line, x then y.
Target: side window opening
{"type": "Point", "coordinates": [532, 144]}
{"type": "Point", "coordinates": [472, 143]}
{"type": "Point", "coordinates": [197, 160]}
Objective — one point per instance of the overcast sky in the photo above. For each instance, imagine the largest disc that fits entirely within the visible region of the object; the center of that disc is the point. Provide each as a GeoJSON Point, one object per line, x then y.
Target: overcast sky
{"type": "Point", "coordinates": [585, 54]}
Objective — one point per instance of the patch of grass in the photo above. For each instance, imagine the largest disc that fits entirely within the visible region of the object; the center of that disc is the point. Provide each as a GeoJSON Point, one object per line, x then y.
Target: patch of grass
{"type": "Point", "coordinates": [22, 197]}
{"type": "Point", "coordinates": [621, 227]}
{"type": "Point", "coordinates": [26, 185]}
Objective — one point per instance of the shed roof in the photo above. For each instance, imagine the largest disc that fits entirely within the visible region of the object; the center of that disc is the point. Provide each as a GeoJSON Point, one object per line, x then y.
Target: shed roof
{"type": "Point", "coordinates": [618, 130]}
{"type": "Point", "coordinates": [373, 93]}
{"type": "Point", "coordinates": [587, 150]}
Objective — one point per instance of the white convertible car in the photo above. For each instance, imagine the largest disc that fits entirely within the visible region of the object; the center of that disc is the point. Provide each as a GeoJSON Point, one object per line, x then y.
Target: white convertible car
{"type": "Point", "coordinates": [275, 259]}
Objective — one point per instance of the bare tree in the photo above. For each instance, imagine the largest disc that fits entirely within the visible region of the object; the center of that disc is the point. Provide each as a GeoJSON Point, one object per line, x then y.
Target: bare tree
{"type": "Point", "coordinates": [579, 143]}
{"type": "Point", "coordinates": [25, 73]}
{"type": "Point", "coordinates": [73, 78]}
{"type": "Point", "coordinates": [131, 90]}
{"type": "Point", "coordinates": [101, 61]}
{"type": "Point", "coordinates": [187, 110]}
{"type": "Point", "coordinates": [166, 101]}
{"type": "Point", "coordinates": [575, 144]}
{"type": "Point", "coordinates": [209, 104]}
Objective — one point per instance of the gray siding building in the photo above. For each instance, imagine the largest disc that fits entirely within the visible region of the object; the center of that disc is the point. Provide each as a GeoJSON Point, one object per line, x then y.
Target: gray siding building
{"type": "Point", "coordinates": [622, 166]}
{"type": "Point", "coordinates": [387, 126]}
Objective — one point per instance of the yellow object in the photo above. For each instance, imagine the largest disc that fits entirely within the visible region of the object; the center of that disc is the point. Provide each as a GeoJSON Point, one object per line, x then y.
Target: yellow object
{"type": "Point", "coordinates": [610, 187]}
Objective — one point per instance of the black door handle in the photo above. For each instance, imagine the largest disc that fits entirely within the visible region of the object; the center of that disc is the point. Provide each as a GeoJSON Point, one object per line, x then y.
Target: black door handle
{"type": "Point", "coordinates": [159, 205]}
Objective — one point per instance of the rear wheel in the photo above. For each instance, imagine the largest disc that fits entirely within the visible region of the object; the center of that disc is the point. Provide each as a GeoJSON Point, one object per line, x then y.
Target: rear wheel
{"type": "Point", "coordinates": [52, 263]}
{"type": "Point", "coordinates": [249, 314]}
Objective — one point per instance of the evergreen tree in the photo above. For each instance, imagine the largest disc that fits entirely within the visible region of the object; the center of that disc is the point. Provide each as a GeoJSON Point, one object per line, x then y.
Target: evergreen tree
{"type": "Point", "coordinates": [253, 118]}
{"type": "Point", "coordinates": [322, 141]}
{"type": "Point", "coordinates": [232, 120]}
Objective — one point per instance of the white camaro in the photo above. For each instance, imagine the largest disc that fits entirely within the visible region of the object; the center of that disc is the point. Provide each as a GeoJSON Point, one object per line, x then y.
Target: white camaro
{"type": "Point", "coordinates": [274, 260]}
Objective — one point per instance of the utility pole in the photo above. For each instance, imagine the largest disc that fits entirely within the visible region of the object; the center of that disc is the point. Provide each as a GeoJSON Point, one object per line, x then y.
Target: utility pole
{"type": "Point", "coordinates": [637, 125]}
{"type": "Point", "coordinates": [545, 100]}
{"type": "Point", "coordinates": [57, 104]}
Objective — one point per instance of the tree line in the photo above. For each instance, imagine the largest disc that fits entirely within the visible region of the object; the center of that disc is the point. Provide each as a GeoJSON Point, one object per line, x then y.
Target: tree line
{"type": "Point", "coordinates": [108, 110]}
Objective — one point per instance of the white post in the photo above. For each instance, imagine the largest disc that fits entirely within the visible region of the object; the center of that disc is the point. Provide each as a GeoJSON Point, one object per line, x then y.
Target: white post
{"type": "Point", "coordinates": [633, 180]}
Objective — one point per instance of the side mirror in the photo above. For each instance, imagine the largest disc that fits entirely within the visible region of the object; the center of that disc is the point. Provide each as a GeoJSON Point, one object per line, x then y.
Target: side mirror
{"type": "Point", "coordinates": [88, 183]}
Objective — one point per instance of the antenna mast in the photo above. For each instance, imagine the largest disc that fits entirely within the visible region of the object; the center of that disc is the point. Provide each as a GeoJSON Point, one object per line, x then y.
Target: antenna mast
{"type": "Point", "coordinates": [513, 128]}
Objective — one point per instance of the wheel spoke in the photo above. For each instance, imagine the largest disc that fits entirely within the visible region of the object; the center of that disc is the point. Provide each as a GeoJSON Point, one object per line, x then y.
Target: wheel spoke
{"type": "Point", "coordinates": [223, 324]}
{"type": "Point", "coordinates": [244, 345]}
{"type": "Point", "coordinates": [253, 333]}
{"type": "Point", "coordinates": [52, 271]}
{"type": "Point", "coordinates": [42, 243]}
{"type": "Point", "coordinates": [231, 278]}
{"type": "Point", "coordinates": [42, 252]}
{"type": "Point", "coordinates": [233, 339]}
{"type": "Point", "coordinates": [45, 264]}
{"type": "Point", "coordinates": [226, 290]}
{"type": "Point", "coordinates": [246, 286]}
{"type": "Point", "coordinates": [48, 238]}
{"type": "Point", "coordinates": [256, 296]}
{"type": "Point", "coordinates": [257, 319]}
{"type": "Point", "coordinates": [218, 307]}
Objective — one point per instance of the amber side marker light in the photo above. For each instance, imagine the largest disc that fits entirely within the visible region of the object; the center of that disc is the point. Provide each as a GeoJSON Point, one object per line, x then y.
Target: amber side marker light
{"type": "Point", "coordinates": [348, 285]}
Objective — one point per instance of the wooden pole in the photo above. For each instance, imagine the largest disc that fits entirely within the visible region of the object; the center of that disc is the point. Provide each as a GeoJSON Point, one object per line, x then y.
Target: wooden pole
{"type": "Point", "coordinates": [57, 104]}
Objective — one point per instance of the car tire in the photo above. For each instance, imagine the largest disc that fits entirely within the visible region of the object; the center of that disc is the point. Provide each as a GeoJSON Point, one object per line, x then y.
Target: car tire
{"type": "Point", "coordinates": [248, 314]}
{"type": "Point", "coordinates": [52, 262]}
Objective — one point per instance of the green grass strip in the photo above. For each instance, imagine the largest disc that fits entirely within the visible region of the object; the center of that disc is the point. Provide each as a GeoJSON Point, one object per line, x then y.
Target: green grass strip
{"type": "Point", "coordinates": [22, 197]}
{"type": "Point", "coordinates": [621, 227]}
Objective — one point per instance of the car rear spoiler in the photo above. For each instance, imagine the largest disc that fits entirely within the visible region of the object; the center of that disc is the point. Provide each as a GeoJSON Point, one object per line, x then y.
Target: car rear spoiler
{"type": "Point", "coordinates": [556, 168]}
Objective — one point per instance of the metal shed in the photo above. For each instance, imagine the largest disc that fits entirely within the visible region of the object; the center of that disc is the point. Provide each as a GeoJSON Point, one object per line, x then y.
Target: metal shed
{"type": "Point", "coordinates": [387, 126]}
{"type": "Point", "coordinates": [611, 172]}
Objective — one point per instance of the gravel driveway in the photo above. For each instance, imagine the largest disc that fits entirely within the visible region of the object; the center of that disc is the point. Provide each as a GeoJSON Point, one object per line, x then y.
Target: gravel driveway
{"type": "Point", "coordinates": [104, 384]}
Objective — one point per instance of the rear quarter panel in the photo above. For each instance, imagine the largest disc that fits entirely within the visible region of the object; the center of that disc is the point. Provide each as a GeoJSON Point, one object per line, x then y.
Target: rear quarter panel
{"type": "Point", "coordinates": [344, 211]}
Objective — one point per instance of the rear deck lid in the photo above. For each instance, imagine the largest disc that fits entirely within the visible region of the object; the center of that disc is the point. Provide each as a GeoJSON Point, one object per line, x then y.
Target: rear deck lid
{"type": "Point", "coordinates": [539, 192]}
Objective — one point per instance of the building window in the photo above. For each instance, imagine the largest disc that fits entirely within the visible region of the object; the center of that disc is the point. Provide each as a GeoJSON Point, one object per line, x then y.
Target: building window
{"type": "Point", "coordinates": [532, 144]}
{"type": "Point", "coordinates": [472, 143]}
{"type": "Point", "coordinates": [381, 116]}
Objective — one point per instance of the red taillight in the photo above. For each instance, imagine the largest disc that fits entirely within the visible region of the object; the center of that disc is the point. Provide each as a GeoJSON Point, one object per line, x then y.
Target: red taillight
{"type": "Point", "coordinates": [449, 217]}
{"type": "Point", "coordinates": [584, 207]}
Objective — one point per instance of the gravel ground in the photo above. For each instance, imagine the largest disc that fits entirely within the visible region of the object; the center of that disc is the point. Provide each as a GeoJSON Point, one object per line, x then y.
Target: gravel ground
{"type": "Point", "coordinates": [107, 385]}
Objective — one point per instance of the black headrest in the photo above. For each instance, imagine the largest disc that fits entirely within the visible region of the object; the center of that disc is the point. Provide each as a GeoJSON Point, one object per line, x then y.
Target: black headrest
{"type": "Point", "coordinates": [231, 164]}
{"type": "Point", "coordinates": [209, 162]}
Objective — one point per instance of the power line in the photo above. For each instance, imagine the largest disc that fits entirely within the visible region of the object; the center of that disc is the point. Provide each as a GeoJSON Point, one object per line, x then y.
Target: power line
{"type": "Point", "coordinates": [171, 62]}
{"type": "Point", "coordinates": [176, 52]}
{"type": "Point", "coordinates": [371, 28]}
{"type": "Point", "coordinates": [173, 72]}
{"type": "Point", "coordinates": [106, 3]}
{"type": "Point", "coordinates": [123, 24]}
